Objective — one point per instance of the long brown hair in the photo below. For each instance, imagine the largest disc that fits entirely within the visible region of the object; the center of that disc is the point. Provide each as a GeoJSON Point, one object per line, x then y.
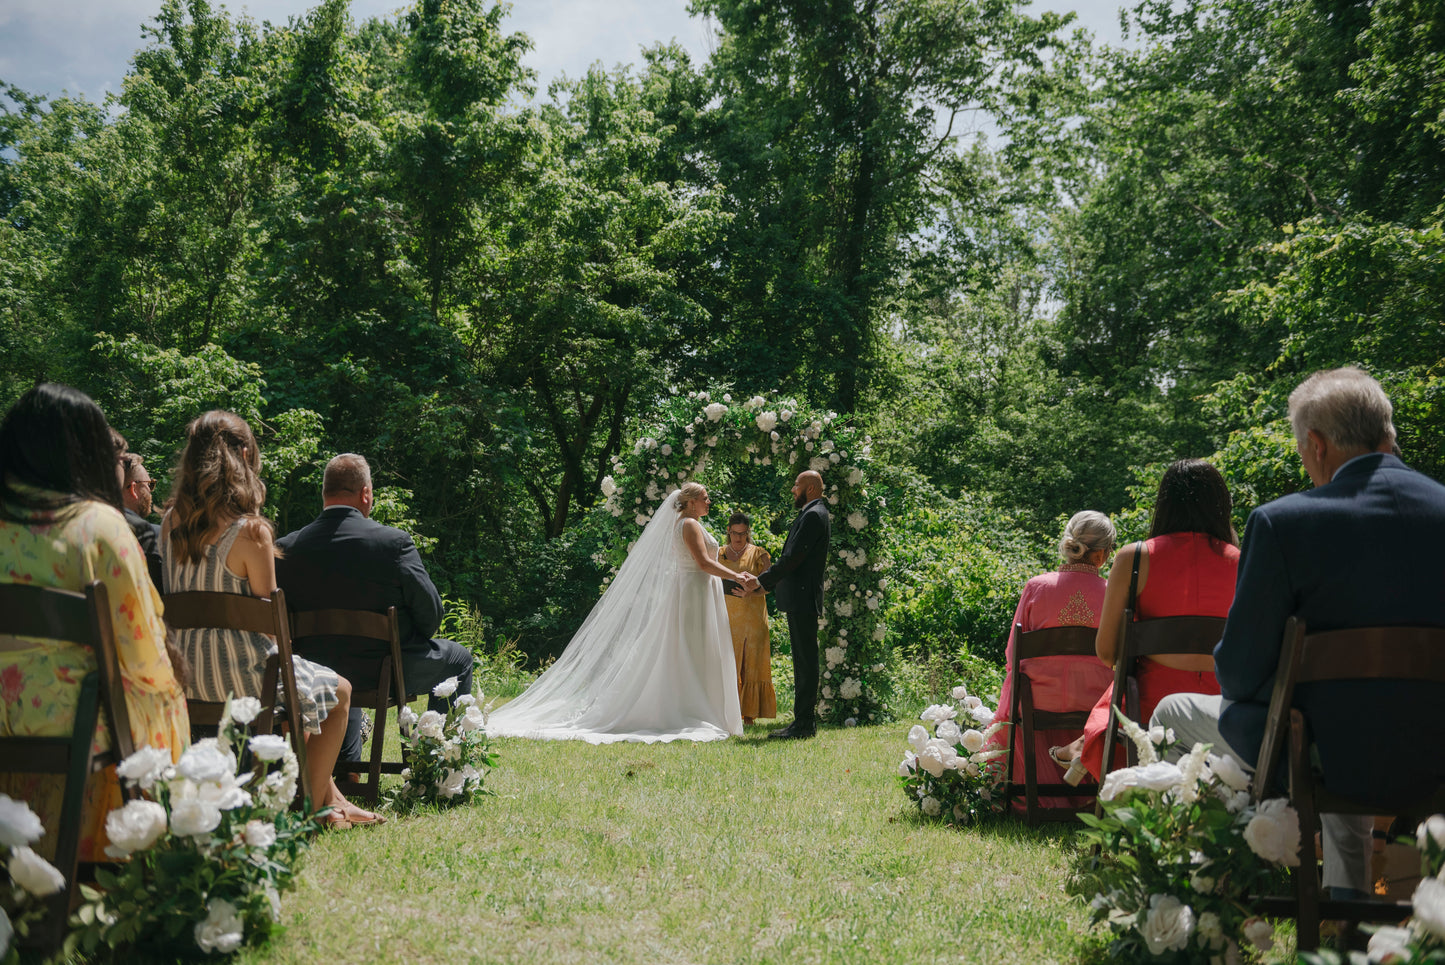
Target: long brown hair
{"type": "Point", "coordinates": [217, 480]}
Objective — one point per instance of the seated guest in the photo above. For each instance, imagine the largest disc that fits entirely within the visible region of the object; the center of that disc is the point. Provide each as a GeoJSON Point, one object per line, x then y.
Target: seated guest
{"type": "Point", "coordinates": [136, 491]}
{"type": "Point", "coordinates": [1186, 568]}
{"type": "Point", "coordinates": [61, 526]}
{"type": "Point", "coordinates": [1360, 549]}
{"type": "Point", "coordinates": [1071, 596]}
{"type": "Point", "coordinates": [345, 560]}
{"type": "Point", "coordinates": [213, 538]}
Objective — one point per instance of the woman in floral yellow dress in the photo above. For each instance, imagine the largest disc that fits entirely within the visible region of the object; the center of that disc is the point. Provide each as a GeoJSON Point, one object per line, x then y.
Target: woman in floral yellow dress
{"type": "Point", "coordinates": [748, 617]}
{"type": "Point", "coordinates": [61, 526]}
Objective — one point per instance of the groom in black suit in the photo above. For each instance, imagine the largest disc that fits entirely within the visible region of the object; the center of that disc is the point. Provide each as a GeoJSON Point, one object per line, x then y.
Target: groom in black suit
{"type": "Point", "coordinates": [345, 560]}
{"type": "Point", "coordinates": [796, 576]}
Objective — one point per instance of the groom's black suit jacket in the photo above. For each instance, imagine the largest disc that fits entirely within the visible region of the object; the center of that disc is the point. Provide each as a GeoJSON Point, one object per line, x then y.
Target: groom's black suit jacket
{"type": "Point", "coordinates": [796, 576]}
{"type": "Point", "coordinates": [344, 560]}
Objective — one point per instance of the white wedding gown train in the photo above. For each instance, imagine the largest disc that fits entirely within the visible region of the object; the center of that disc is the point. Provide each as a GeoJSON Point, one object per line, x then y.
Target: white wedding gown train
{"type": "Point", "coordinates": [653, 661]}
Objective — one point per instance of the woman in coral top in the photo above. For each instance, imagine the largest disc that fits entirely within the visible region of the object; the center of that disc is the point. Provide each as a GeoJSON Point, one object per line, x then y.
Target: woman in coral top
{"type": "Point", "coordinates": [61, 526]}
{"type": "Point", "coordinates": [1187, 567]}
{"type": "Point", "coordinates": [1071, 596]}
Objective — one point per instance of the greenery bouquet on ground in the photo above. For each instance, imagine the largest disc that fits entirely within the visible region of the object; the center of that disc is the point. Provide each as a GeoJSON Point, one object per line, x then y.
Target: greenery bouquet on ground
{"type": "Point", "coordinates": [955, 774]}
{"type": "Point", "coordinates": [447, 754]}
{"type": "Point", "coordinates": [25, 877]}
{"type": "Point", "coordinates": [1178, 849]}
{"type": "Point", "coordinates": [206, 852]}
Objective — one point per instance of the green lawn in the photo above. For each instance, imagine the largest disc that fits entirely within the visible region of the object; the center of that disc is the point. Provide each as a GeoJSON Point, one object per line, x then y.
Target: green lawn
{"type": "Point", "coordinates": [743, 851]}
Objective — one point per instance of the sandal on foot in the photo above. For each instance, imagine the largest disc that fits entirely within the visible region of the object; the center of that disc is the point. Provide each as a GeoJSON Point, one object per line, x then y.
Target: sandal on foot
{"type": "Point", "coordinates": [360, 819]}
{"type": "Point", "coordinates": [1056, 756]}
{"type": "Point", "coordinates": [334, 820]}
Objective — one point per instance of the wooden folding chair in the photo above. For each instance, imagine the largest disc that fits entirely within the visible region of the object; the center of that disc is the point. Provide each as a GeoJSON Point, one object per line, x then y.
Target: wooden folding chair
{"type": "Point", "coordinates": [83, 618]}
{"type": "Point", "coordinates": [1180, 636]}
{"type": "Point", "coordinates": [1368, 653]}
{"type": "Point", "coordinates": [206, 610]}
{"type": "Point", "coordinates": [1049, 642]}
{"type": "Point", "coordinates": [390, 687]}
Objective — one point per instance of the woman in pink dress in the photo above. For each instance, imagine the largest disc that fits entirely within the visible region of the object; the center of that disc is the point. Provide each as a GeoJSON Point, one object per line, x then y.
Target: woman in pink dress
{"type": "Point", "coordinates": [1187, 568]}
{"type": "Point", "coordinates": [1071, 596]}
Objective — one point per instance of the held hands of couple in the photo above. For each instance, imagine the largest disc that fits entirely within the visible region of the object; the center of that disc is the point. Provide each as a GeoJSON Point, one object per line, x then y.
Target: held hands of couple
{"type": "Point", "coordinates": [747, 585]}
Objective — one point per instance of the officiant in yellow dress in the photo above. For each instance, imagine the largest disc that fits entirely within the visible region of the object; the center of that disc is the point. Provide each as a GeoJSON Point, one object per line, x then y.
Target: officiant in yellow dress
{"type": "Point", "coordinates": [748, 617]}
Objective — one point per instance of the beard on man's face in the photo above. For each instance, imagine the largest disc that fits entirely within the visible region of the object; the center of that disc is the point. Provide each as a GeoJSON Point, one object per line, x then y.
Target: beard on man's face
{"type": "Point", "coordinates": [800, 500]}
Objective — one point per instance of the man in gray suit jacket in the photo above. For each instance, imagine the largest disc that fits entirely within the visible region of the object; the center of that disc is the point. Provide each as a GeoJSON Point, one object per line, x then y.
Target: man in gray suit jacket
{"type": "Point", "coordinates": [345, 560]}
{"type": "Point", "coordinates": [1363, 548]}
{"type": "Point", "coordinates": [796, 577]}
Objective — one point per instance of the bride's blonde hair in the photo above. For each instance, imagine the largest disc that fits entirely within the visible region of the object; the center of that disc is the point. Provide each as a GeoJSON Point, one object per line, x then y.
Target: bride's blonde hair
{"type": "Point", "coordinates": [688, 493]}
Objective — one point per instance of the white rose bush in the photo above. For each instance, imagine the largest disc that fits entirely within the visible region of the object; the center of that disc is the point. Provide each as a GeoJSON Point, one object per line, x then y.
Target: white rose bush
{"type": "Point", "coordinates": [956, 772]}
{"type": "Point", "coordinates": [1176, 852]}
{"type": "Point", "coordinates": [25, 877]}
{"type": "Point", "coordinates": [206, 852]}
{"type": "Point", "coordinates": [763, 443]}
{"type": "Point", "coordinates": [447, 755]}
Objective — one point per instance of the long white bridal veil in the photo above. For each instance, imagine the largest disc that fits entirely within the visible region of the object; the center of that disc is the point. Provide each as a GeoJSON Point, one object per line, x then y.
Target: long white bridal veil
{"type": "Point", "coordinates": [615, 647]}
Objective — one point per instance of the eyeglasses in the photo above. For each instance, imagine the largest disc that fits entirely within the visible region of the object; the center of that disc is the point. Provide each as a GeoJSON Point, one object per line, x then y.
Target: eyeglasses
{"type": "Point", "coordinates": [147, 483]}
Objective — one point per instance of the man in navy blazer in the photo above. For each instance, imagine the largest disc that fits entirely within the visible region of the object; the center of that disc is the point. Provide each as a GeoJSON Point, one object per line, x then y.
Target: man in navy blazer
{"type": "Point", "coordinates": [1365, 547]}
{"type": "Point", "coordinates": [796, 577]}
{"type": "Point", "coordinates": [345, 560]}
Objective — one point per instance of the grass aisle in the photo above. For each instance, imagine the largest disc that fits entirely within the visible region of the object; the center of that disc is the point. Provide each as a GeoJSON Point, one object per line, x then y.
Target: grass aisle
{"type": "Point", "coordinates": [744, 851]}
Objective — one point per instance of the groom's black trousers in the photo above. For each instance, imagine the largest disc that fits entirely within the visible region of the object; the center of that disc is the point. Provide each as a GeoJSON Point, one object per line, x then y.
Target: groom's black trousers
{"type": "Point", "coordinates": [803, 637]}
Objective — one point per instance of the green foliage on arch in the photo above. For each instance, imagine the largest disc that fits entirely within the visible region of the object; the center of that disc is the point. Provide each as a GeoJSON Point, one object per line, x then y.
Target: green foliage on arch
{"type": "Point", "coordinates": [758, 446]}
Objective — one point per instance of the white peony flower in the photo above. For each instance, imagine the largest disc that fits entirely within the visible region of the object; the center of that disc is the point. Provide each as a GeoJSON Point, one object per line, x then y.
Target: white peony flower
{"type": "Point", "coordinates": [1259, 932]}
{"type": "Point", "coordinates": [843, 609]}
{"type": "Point", "coordinates": [786, 414]}
{"type": "Point", "coordinates": [206, 760]}
{"type": "Point", "coordinates": [18, 824]}
{"type": "Point", "coordinates": [931, 807]}
{"type": "Point", "coordinates": [973, 741]}
{"type": "Point", "coordinates": [909, 765]}
{"type": "Point", "coordinates": [34, 873]}
{"type": "Point", "coordinates": [937, 756]}
{"type": "Point", "coordinates": [446, 688]}
{"type": "Point", "coordinates": [465, 700]}
{"type": "Point", "coordinates": [1273, 832]}
{"type": "Point", "coordinates": [715, 411]}
{"type": "Point", "coordinates": [960, 692]}
{"type": "Point", "coordinates": [917, 738]}
{"type": "Point", "coordinates": [431, 724]}
{"type": "Point", "coordinates": [1429, 902]}
{"type": "Point", "coordinates": [937, 713]}
{"type": "Point", "coordinates": [666, 449]}
{"type": "Point", "coordinates": [1202, 883]}
{"type": "Point", "coordinates": [222, 929]}
{"type": "Point", "coordinates": [817, 463]}
{"type": "Point", "coordinates": [1211, 931]}
{"type": "Point", "coordinates": [193, 816]}
{"type": "Point", "coordinates": [1159, 776]}
{"type": "Point", "coordinates": [1432, 829]}
{"type": "Point", "coordinates": [243, 710]}
{"type": "Point", "coordinates": [1389, 944]}
{"type": "Point", "coordinates": [947, 730]}
{"type": "Point", "coordinates": [452, 782]}
{"type": "Point", "coordinates": [1228, 770]}
{"type": "Point", "coordinates": [857, 520]}
{"type": "Point", "coordinates": [407, 718]}
{"type": "Point", "coordinates": [268, 747]}
{"type": "Point", "coordinates": [134, 827]}
{"type": "Point", "coordinates": [1168, 925]}
{"type": "Point", "coordinates": [260, 834]}
{"type": "Point", "coordinates": [880, 631]}
{"type": "Point", "coordinates": [472, 720]}
{"type": "Point", "coordinates": [972, 702]}
{"type": "Point", "coordinates": [851, 688]}
{"type": "Point", "coordinates": [834, 656]}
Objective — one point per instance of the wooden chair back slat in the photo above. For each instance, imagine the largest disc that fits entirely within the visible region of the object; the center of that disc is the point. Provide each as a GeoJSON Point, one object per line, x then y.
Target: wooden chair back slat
{"type": "Point", "coordinates": [390, 688]}
{"type": "Point", "coordinates": [1032, 645]}
{"type": "Point", "coordinates": [83, 618]}
{"type": "Point", "coordinates": [1361, 654]}
{"type": "Point", "coordinates": [206, 610]}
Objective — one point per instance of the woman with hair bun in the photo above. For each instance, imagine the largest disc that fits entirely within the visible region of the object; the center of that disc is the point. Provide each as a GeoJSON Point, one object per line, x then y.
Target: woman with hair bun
{"type": "Point", "coordinates": [214, 538]}
{"type": "Point", "coordinates": [1187, 567]}
{"type": "Point", "coordinates": [1071, 596]}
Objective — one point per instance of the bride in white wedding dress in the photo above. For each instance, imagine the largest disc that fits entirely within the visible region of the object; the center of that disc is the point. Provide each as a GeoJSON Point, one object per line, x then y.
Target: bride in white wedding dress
{"type": "Point", "coordinates": [653, 661]}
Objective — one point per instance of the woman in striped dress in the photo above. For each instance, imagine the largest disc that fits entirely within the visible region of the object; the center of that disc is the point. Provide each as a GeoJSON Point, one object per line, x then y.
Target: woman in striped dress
{"type": "Point", "coordinates": [214, 538]}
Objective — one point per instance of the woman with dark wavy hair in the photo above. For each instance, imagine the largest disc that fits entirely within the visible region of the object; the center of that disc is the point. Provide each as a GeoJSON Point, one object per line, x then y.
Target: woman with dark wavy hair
{"type": "Point", "coordinates": [61, 526]}
{"type": "Point", "coordinates": [214, 538]}
{"type": "Point", "coordinates": [1187, 567]}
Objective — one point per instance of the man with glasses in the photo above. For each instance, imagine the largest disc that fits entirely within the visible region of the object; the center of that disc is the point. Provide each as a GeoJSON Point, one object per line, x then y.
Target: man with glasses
{"type": "Point", "coordinates": [137, 492]}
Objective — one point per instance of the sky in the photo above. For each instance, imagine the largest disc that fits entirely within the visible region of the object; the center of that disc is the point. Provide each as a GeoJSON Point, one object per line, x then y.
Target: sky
{"type": "Point", "coordinates": [85, 46]}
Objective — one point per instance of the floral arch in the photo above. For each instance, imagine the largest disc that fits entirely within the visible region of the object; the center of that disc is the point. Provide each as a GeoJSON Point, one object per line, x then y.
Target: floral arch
{"type": "Point", "coordinates": [694, 433]}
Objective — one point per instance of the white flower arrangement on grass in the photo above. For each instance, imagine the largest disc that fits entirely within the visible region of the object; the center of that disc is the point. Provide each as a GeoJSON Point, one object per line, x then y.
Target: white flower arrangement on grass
{"type": "Point", "coordinates": [1176, 852]}
{"type": "Point", "coordinates": [447, 755]}
{"type": "Point", "coordinates": [27, 876]}
{"type": "Point", "coordinates": [208, 851]}
{"type": "Point", "coordinates": [954, 774]}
